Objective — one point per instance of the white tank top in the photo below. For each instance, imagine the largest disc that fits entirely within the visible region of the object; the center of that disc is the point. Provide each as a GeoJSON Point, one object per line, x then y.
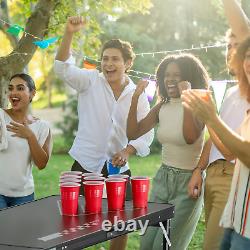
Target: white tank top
{"type": "Point", "coordinates": [175, 151]}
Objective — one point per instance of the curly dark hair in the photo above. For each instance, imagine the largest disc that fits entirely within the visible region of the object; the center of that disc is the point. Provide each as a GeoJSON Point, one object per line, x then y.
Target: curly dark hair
{"type": "Point", "coordinates": [191, 70]}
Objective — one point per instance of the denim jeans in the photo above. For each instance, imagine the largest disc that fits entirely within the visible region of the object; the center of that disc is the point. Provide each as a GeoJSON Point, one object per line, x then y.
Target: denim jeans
{"type": "Point", "coordinates": [6, 201]}
{"type": "Point", "coordinates": [234, 241]}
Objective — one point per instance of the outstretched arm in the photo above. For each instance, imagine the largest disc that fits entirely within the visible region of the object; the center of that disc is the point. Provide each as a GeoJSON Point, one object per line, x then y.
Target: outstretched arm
{"type": "Point", "coordinates": [238, 21]}
{"type": "Point", "coordinates": [74, 24]}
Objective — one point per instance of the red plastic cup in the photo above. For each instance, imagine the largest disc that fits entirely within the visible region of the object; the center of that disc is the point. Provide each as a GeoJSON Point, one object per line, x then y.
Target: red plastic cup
{"type": "Point", "coordinates": [122, 176]}
{"type": "Point", "coordinates": [70, 176]}
{"type": "Point", "coordinates": [84, 175]}
{"type": "Point", "coordinates": [93, 196]}
{"type": "Point", "coordinates": [69, 179]}
{"type": "Point", "coordinates": [94, 178]}
{"type": "Point", "coordinates": [77, 173]}
{"type": "Point", "coordinates": [115, 193]}
{"type": "Point", "coordinates": [203, 93]}
{"type": "Point", "coordinates": [140, 189]}
{"type": "Point", "coordinates": [69, 197]}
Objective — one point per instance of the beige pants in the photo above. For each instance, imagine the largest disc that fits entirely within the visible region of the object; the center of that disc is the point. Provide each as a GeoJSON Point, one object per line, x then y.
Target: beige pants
{"type": "Point", "coordinates": [217, 187]}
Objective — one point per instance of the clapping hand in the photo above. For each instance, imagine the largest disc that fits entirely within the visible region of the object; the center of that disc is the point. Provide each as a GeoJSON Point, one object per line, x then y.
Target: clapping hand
{"type": "Point", "coordinates": [21, 130]}
{"type": "Point", "coordinates": [204, 109]}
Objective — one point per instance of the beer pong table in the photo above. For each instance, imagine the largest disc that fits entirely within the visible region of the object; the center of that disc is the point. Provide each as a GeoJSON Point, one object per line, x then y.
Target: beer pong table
{"type": "Point", "coordinates": [40, 225]}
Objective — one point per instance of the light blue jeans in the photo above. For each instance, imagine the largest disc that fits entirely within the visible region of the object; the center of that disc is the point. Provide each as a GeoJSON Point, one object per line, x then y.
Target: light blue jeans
{"type": "Point", "coordinates": [6, 201]}
{"type": "Point", "coordinates": [234, 241]}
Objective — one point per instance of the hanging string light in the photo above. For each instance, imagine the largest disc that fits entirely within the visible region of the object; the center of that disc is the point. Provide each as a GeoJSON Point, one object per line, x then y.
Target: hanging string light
{"type": "Point", "coordinates": [94, 63]}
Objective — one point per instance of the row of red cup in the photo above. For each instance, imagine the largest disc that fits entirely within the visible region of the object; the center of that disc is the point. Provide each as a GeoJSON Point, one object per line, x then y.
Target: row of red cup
{"type": "Point", "coordinates": [94, 184]}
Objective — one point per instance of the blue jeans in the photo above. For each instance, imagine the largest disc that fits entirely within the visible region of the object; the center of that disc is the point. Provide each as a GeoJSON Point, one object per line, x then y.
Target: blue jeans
{"type": "Point", "coordinates": [6, 201]}
{"type": "Point", "coordinates": [234, 241]}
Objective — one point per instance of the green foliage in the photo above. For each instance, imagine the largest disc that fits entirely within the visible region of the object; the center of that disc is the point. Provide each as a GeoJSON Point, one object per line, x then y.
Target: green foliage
{"type": "Point", "coordinates": [70, 121]}
{"type": "Point", "coordinates": [173, 25]}
{"type": "Point", "coordinates": [57, 101]}
{"type": "Point", "coordinates": [94, 12]}
{"type": "Point", "coordinates": [59, 145]}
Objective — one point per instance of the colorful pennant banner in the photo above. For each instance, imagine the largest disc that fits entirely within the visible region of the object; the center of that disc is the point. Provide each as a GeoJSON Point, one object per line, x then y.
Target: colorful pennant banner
{"type": "Point", "coordinates": [15, 30]}
{"type": "Point", "coordinates": [43, 44]}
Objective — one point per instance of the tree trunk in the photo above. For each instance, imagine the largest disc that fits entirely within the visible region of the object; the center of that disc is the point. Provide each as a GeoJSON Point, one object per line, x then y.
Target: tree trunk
{"type": "Point", "coordinates": [4, 14]}
{"type": "Point", "coordinates": [16, 61]}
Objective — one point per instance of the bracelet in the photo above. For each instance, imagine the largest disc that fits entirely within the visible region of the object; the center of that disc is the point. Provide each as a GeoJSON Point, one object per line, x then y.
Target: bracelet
{"type": "Point", "coordinates": [201, 170]}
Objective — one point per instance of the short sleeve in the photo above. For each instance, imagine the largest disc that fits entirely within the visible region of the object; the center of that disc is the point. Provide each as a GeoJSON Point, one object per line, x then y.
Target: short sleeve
{"type": "Point", "coordinates": [43, 133]}
{"type": "Point", "coordinates": [3, 132]}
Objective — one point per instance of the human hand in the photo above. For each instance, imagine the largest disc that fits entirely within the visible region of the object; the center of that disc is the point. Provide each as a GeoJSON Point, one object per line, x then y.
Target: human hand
{"type": "Point", "coordinates": [195, 184]}
{"type": "Point", "coordinates": [204, 109]}
{"type": "Point", "coordinates": [183, 85]}
{"type": "Point", "coordinates": [140, 87]}
{"type": "Point", "coordinates": [20, 130]}
{"type": "Point", "coordinates": [74, 24]}
{"type": "Point", "coordinates": [120, 159]}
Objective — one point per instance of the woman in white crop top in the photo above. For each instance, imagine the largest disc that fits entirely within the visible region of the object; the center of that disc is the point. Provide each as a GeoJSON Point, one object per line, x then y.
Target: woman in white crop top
{"type": "Point", "coordinates": [181, 136]}
{"type": "Point", "coordinates": [24, 140]}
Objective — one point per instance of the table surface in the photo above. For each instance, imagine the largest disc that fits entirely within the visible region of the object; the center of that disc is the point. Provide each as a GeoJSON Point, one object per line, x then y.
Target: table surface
{"type": "Point", "coordinates": [40, 225]}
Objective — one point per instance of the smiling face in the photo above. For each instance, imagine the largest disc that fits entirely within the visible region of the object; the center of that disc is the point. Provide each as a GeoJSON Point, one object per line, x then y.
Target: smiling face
{"type": "Point", "coordinates": [113, 65]}
{"type": "Point", "coordinates": [171, 78]}
{"type": "Point", "coordinates": [19, 94]}
{"type": "Point", "coordinates": [246, 65]}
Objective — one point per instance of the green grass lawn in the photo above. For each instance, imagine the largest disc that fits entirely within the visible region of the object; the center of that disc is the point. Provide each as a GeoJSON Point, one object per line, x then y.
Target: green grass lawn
{"type": "Point", "coordinates": [46, 183]}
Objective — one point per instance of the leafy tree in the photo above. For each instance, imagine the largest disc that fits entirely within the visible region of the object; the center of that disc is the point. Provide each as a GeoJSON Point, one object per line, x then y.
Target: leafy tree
{"type": "Point", "coordinates": [47, 17]}
{"type": "Point", "coordinates": [173, 25]}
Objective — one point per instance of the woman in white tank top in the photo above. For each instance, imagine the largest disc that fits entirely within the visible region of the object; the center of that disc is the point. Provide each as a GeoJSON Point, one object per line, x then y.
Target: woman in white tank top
{"type": "Point", "coordinates": [181, 136]}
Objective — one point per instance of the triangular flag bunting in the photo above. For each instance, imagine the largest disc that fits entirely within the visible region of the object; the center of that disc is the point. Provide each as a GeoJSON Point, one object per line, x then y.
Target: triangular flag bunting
{"type": "Point", "coordinates": [15, 30]}
{"type": "Point", "coordinates": [150, 89]}
{"type": "Point", "coordinates": [43, 44]}
{"type": "Point", "coordinates": [219, 88]}
{"type": "Point", "coordinates": [88, 65]}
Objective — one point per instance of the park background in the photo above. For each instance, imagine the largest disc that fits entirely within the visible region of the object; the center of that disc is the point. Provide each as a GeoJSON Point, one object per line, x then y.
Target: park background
{"type": "Point", "coordinates": [155, 28]}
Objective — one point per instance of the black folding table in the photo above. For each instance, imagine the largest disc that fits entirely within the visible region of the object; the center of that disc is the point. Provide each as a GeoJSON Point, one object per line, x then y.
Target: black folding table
{"type": "Point", "coordinates": [40, 224]}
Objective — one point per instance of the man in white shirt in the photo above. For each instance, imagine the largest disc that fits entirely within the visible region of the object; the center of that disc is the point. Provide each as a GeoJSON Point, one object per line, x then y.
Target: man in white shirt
{"type": "Point", "coordinates": [103, 105]}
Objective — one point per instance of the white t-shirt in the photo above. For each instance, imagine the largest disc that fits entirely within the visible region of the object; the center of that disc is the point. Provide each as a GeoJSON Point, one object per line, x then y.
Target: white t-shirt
{"type": "Point", "coordinates": [233, 110]}
{"type": "Point", "coordinates": [175, 151]}
{"type": "Point", "coordinates": [102, 119]}
{"type": "Point", "coordinates": [16, 178]}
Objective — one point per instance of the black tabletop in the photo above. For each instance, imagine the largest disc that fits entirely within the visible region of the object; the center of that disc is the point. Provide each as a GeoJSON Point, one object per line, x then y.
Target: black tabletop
{"type": "Point", "coordinates": [40, 224]}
